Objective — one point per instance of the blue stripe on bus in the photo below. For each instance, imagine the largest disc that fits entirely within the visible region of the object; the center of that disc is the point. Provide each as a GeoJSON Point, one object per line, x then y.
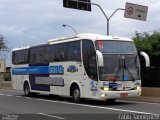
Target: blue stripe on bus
{"type": "Point", "coordinates": [38, 70]}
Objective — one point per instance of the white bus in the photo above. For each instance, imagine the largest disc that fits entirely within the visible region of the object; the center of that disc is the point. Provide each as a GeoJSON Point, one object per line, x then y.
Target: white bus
{"type": "Point", "coordinates": [82, 66]}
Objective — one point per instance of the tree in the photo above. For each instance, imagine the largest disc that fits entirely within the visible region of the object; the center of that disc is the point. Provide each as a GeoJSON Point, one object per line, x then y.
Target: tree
{"type": "Point", "coordinates": [3, 43]}
{"type": "Point", "coordinates": [149, 43]}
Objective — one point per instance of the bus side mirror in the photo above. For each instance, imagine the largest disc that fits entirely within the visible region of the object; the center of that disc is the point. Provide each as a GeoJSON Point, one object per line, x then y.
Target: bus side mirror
{"type": "Point", "coordinates": [146, 57]}
{"type": "Point", "coordinates": [100, 58]}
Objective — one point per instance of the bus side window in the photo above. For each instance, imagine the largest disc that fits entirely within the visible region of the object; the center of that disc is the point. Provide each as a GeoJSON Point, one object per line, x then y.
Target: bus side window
{"type": "Point", "coordinates": [40, 55]}
{"type": "Point", "coordinates": [74, 52]}
{"type": "Point", "coordinates": [58, 52]}
{"type": "Point", "coordinates": [32, 58]}
{"type": "Point", "coordinates": [26, 57]}
{"type": "Point", "coordinates": [51, 53]}
{"type": "Point", "coordinates": [48, 54]}
{"type": "Point", "coordinates": [89, 59]}
{"type": "Point", "coordinates": [20, 57]}
{"type": "Point", "coordinates": [13, 58]}
{"type": "Point", "coordinates": [61, 52]}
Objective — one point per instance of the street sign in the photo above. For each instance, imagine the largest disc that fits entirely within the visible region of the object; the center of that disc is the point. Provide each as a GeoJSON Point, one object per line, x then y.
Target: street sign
{"type": "Point", "coordinates": [78, 4]}
{"type": "Point", "coordinates": [135, 11]}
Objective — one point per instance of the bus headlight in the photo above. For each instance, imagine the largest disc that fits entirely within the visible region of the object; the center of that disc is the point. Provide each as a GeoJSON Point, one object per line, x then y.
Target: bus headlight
{"type": "Point", "coordinates": [105, 88]}
{"type": "Point", "coordinates": [138, 87]}
{"type": "Point", "coordinates": [103, 95]}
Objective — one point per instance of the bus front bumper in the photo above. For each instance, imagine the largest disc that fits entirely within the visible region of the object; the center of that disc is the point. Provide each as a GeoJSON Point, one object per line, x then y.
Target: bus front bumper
{"type": "Point", "coordinates": [119, 94]}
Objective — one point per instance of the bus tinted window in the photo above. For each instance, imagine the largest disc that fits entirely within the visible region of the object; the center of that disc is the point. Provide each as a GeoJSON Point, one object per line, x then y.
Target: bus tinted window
{"type": "Point", "coordinates": [89, 59]}
{"type": "Point", "coordinates": [49, 54]}
{"type": "Point", "coordinates": [69, 51]}
{"type": "Point", "coordinates": [32, 56]}
{"type": "Point", "coordinates": [60, 52]}
{"type": "Point", "coordinates": [74, 52]}
{"type": "Point", "coordinates": [115, 46]}
{"type": "Point", "coordinates": [39, 54]}
{"type": "Point", "coordinates": [20, 57]}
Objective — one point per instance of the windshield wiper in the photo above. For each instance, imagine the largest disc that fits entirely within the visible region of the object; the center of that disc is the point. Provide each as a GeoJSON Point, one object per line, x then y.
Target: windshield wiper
{"type": "Point", "coordinates": [126, 68]}
{"type": "Point", "coordinates": [119, 67]}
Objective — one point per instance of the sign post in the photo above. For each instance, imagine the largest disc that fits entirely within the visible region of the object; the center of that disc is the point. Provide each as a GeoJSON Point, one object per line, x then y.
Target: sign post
{"type": "Point", "coordinates": [75, 5]}
{"type": "Point", "coordinates": [135, 11]}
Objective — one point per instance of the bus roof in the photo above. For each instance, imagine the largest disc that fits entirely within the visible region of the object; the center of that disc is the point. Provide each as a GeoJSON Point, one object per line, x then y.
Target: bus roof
{"type": "Point", "coordinates": [90, 36]}
{"type": "Point", "coordinates": [21, 48]}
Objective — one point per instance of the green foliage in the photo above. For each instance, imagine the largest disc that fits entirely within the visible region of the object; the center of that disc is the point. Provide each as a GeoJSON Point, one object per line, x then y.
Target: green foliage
{"type": "Point", "coordinates": [7, 77]}
{"type": "Point", "coordinates": [148, 43]}
{"type": "Point", "coordinates": [3, 43]}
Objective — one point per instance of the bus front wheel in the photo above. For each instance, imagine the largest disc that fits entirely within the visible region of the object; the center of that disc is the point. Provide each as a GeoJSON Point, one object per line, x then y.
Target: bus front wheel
{"type": "Point", "coordinates": [76, 94]}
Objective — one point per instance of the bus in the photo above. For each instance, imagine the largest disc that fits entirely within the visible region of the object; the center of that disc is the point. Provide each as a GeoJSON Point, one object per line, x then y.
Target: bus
{"type": "Point", "coordinates": [89, 66]}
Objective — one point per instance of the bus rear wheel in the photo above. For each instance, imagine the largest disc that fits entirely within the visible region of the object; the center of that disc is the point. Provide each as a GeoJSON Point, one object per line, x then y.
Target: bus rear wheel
{"type": "Point", "coordinates": [76, 94]}
{"type": "Point", "coordinates": [27, 90]}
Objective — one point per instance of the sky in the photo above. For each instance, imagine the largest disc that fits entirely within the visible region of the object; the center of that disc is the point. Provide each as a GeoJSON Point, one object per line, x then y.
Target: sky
{"type": "Point", "coordinates": [32, 22]}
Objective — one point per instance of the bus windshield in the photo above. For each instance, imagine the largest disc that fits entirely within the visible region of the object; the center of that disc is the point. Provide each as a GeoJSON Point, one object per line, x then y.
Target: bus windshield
{"type": "Point", "coordinates": [116, 46]}
{"type": "Point", "coordinates": [121, 61]}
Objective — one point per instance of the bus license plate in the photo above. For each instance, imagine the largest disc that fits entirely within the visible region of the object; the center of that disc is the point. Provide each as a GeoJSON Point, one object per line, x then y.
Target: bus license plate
{"type": "Point", "coordinates": [123, 94]}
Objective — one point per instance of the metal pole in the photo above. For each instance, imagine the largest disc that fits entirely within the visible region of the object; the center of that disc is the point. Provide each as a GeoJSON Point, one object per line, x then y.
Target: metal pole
{"type": "Point", "coordinates": [104, 15]}
{"type": "Point", "coordinates": [115, 12]}
{"type": "Point", "coordinates": [107, 26]}
{"type": "Point", "coordinates": [70, 27]}
{"type": "Point", "coordinates": [111, 17]}
{"type": "Point", "coordinates": [102, 12]}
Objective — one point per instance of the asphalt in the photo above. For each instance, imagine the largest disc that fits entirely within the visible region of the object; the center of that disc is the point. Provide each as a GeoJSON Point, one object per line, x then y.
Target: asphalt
{"type": "Point", "coordinates": [13, 105]}
{"type": "Point", "coordinates": [151, 99]}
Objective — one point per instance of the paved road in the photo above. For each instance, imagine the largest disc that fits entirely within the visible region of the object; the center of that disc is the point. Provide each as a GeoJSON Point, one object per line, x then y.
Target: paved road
{"type": "Point", "coordinates": [14, 105]}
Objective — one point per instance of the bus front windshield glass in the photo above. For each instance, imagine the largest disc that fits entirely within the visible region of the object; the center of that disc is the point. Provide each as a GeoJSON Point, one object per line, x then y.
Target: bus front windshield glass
{"type": "Point", "coordinates": [116, 47]}
{"type": "Point", "coordinates": [121, 61]}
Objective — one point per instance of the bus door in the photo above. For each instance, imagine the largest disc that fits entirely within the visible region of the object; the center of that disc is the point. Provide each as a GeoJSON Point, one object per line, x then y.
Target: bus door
{"type": "Point", "coordinates": [90, 77]}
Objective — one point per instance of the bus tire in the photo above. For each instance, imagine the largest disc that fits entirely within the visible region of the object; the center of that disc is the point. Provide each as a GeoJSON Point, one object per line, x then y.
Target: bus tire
{"type": "Point", "coordinates": [27, 89]}
{"type": "Point", "coordinates": [75, 94]}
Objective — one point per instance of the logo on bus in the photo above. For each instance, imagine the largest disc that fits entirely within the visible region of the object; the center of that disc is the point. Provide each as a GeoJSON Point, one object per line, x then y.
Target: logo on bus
{"type": "Point", "coordinates": [72, 69]}
{"type": "Point", "coordinates": [93, 85]}
{"type": "Point", "coordinates": [56, 69]}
